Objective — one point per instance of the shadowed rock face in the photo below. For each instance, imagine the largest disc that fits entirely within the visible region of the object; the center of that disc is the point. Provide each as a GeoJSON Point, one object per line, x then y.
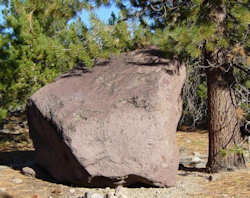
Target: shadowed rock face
{"type": "Point", "coordinates": [112, 126]}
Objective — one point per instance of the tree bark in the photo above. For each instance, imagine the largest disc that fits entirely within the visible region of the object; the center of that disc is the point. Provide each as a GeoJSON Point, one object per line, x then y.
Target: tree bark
{"type": "Point", "coordinates": [223, 123]}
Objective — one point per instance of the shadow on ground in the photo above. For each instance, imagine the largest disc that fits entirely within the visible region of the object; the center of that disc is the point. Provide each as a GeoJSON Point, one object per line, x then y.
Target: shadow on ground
{"type": "Point", "coordinates": [192, 169]}
{"type": "Point", "coordinates": [17, 160]}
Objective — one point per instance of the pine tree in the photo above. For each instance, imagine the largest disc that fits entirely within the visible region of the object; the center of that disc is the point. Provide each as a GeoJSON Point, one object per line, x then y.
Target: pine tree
{"type": "Point", "coordinates": [37, 43]}
{"type": "Point", "coordinates": [214, 35]}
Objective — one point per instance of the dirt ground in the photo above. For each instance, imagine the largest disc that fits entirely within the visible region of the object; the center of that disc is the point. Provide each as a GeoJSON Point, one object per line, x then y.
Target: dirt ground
{"type": "Point", "coordinates": [16, 152]}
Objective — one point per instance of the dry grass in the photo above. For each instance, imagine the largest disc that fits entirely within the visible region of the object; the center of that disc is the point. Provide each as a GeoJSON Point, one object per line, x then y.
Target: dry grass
{"type": "Point", "coordinates": [227, 184]}
{"type": "Point", "coordinates": [196, 141]}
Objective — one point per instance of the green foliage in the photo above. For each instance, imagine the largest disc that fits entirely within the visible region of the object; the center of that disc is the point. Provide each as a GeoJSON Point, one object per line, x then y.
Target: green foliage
{"type": "Point", "coordinates": [197, 29]}
{"type": "Point", "coordinates": [235, 149]}
{"type": "Point", "coordinates": [202, 91]}
{"type": "Point", "coordinates": [3, 113]}
{"type": "Point", "coordinates": [118, 36]}
{"type": "Point", "coordinates": [37, 44]}
{"type": "Point", "coordinates": [202, 32]}
{"type": "Point", "coordinates": [247, 84]}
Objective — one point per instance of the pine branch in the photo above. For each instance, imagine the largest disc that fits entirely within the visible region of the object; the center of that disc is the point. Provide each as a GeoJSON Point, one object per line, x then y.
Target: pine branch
{"type": "Point", "coordinates": [247, 71]}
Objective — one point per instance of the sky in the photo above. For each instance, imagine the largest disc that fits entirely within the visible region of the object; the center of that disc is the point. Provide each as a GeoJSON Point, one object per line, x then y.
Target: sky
{"type": "Point", "coordinates": [1, 15]}
{"type": "Point", "coordinates": [102, 13]}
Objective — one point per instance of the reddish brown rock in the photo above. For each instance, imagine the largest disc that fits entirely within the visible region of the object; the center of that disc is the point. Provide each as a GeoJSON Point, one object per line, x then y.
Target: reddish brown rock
{"type": "Point", "coordinates": [113, 125]}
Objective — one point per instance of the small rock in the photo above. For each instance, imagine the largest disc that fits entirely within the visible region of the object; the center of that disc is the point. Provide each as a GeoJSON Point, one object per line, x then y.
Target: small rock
{"type": "Point", "coordinates": [120, 192]}
{"type": "Point", "coordinates": [201, 165]}
{"type": "Point", "coordinates": [185, 159]}
{"type": "Point", "coordinates": [93, 195]}
{"type": "Point", "coordinates": [28, 172]}
{"type": "Point", "coordinates": [110, 195]}
{"type": "Point", "coordinates": [72, 190]}
{"type": "Point", "coordinates": [96, 195]}
{"type": "Point", "coordinates": [57, 191]}
{"type": "Point", "coordinates": [17, 181]}
{"type": "Point", "coordinates": [196, 160]}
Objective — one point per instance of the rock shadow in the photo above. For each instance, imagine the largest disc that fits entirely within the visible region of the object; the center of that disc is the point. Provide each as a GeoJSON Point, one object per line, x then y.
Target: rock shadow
{"type": "Point", "coordinates": [192, 169]}
{"type": "Point", "coordinates": [17, 160]}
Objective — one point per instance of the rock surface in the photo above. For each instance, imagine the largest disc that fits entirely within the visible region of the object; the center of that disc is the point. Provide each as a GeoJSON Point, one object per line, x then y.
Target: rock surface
{"type": "Point", "coordinates": [28, 171]}
{"type": "Point", "coordinates": [115, 125]}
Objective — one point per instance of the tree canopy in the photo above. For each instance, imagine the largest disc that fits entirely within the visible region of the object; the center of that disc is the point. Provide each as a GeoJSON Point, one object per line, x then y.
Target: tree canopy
{"type": "Point", "coordinates": [41, 39]}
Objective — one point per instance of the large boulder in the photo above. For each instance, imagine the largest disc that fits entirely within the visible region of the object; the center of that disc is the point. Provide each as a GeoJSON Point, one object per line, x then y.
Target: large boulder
{"type": "Point", "coordinates": [113, 125]}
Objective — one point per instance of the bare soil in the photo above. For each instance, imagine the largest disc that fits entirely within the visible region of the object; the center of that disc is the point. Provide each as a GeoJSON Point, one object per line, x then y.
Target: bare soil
{"type": "Point", "coordinates": [16, 152]}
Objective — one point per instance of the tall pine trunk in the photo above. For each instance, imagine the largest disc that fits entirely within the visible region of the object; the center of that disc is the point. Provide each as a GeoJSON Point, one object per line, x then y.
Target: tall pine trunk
{"type": "Point", "coordinates": [223, 123]}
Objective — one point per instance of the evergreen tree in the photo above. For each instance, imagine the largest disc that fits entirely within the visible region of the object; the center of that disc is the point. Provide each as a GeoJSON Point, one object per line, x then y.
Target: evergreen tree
{"type": "Point", "coordinates": [214, 35]}
{"type": "Point", "coordinates": [37, 43]}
